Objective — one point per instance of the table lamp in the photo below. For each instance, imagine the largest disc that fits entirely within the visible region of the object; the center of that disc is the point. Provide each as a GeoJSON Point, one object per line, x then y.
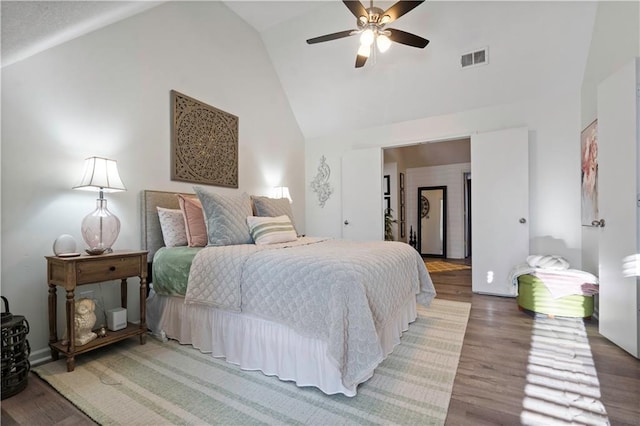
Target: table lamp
{"type": "Point", "coordinates": [282, 192]}
{"type": "Point", "coordinates": [100, 228]}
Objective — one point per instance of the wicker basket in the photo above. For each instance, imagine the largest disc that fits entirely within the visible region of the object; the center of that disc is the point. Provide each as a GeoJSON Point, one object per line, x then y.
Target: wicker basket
{"type": "Point", "coordinates": [15, 352]}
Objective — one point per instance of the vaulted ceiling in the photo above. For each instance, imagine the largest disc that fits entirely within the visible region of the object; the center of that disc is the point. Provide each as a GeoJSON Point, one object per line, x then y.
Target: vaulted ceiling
{"type": "Point", "coordinates": [534, 48]}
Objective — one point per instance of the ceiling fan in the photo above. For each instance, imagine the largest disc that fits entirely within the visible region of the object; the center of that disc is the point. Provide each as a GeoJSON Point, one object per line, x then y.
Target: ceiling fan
{"type": "Point", "coordinates": [371, 24]}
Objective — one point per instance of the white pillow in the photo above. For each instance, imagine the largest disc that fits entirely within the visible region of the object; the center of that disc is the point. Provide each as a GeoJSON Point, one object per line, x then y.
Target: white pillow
{"type": "Point", "coordinates": [272, 207]}
{"type": "Point", "coordinates": [271, 230]}
{"type": "Point", "coordinates": [174, 233]}
{"type": "Point", "coordinates": [552, 262]}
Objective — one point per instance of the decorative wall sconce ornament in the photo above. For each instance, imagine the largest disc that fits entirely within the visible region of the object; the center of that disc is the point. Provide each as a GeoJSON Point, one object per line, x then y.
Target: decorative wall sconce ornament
{"type": "Point", "coordinates": [320, 183]}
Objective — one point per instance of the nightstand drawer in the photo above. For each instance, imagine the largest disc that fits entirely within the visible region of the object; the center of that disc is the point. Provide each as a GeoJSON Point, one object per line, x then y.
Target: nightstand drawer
{"type": "Point", "coordinates": [107, 269]}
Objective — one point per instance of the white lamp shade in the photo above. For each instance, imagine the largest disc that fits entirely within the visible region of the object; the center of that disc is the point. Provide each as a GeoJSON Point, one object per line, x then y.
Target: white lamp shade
{"type": "Point", "coordinates": [100, 174]}
{"type": "Point", "coordinates": [282, 192]}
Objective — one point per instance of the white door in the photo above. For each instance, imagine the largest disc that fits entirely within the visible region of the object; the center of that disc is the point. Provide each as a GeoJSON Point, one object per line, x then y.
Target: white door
{"type": "Point", "coordinates": [617, 204]}
{"type": "Point", "coordinates": [500, 206]}
{"type": "Point", "coordinates": [362, 203]}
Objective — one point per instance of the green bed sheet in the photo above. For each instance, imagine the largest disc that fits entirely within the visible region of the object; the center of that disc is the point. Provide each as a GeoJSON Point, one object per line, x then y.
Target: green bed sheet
{"type": "Point", "coordinates": [534, 296]}
{"type": "Point", "coordinates": [170, 271]}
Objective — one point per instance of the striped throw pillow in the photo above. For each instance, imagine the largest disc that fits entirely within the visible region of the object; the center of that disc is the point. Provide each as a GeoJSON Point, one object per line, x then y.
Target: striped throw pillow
{"type": "Point", "coordinates": [271, 230]}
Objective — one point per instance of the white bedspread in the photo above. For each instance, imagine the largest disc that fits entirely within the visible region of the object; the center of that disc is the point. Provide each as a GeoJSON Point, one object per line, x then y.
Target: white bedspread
{"type": "Point", "coordinates": [339, 291]}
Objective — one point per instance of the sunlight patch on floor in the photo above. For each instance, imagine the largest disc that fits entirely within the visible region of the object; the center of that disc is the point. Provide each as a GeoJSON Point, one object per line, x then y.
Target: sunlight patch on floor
{"type": "Point", "coordinates": [562, 383]}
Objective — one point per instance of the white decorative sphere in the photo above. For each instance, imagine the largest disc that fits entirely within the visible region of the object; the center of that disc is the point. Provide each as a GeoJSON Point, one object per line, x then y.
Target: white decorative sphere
{"type": "Point", "coordinates": [65, 243]}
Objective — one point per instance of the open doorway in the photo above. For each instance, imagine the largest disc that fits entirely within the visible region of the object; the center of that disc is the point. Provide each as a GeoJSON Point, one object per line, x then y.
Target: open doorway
{"type": "Point", "coordinates": [437, 163]}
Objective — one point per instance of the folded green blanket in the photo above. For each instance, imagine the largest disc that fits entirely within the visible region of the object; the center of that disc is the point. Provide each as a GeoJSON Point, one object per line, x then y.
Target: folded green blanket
{"type": "Point", "coordinates": [170, 272]}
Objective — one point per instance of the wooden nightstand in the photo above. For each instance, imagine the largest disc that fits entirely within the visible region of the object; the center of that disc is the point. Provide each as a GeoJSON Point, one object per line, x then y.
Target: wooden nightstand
{"type": "Point", "coordinates": [70, 272]}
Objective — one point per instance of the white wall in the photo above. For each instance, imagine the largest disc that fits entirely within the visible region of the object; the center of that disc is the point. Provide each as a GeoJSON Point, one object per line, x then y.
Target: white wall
{"type": "Point", "coordinates": [554, 186]}
{"type": "Point", "coordinates": [615, 42]}
{"type": "Point", "coordinates": [107, 94]}
{"type": "Point", "coordinates": [451, 176]}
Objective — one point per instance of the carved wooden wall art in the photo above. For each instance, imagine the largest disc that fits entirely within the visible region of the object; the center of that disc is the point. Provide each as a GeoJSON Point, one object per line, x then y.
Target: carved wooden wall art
{"type": "Point", "coordinates": [204, 143]}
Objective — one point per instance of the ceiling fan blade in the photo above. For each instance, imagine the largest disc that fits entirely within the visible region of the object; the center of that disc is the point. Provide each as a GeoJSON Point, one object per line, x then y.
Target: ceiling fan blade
{"type": "Point", "coordinates": [360, 61]}
{"type": "Point", "coordinates": [409, 39]}
{"type": "Point", "coordinates": [357, 9]}
{"type": "Point", "coordinates": [399, 9]}
{"type": "Point", "coordinates": [329, 37]}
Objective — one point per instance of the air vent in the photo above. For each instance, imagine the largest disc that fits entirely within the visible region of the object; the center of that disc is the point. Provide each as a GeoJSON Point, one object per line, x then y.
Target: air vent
{"type": "Point", "coordinates": [478, 57]}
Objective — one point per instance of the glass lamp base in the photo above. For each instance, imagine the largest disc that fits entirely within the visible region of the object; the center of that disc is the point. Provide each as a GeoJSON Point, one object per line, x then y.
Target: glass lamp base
{"type": "Point", "coordinates": [100, 229]}
{"type": "Point", "coordinates": [98, 251]}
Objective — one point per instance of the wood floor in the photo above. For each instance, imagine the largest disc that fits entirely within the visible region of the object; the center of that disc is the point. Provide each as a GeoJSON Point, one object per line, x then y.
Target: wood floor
{"type": "Point", "coordinates": [490, 381]}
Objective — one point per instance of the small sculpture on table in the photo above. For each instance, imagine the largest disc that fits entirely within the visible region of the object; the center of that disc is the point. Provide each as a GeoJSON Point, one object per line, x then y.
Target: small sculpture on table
{"type": "Point", "coordinates": [85, 319]}
{"type": "Point", "coordinates": [413, 238]}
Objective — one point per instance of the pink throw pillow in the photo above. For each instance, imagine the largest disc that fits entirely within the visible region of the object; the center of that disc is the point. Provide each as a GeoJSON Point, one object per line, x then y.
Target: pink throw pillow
{"type": "Point", "coordinates": [193, 221]}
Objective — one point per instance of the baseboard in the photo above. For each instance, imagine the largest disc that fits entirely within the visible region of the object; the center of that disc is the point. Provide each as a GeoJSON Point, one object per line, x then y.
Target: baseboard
{"type": "Point", "coordinates": [41, 356]}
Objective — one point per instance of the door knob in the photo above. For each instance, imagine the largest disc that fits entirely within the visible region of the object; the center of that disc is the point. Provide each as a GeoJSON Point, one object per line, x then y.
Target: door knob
{"type": "Point", "coordinates": [598, 223]}
{"type": "Point", "coordinates": [346, 222]}
{"type": "Point", "coordinates": [522, 220]}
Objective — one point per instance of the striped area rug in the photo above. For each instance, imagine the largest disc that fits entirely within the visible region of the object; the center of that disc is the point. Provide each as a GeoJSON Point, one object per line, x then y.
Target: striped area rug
{"type": "Point", "coordinates": [167, 383]}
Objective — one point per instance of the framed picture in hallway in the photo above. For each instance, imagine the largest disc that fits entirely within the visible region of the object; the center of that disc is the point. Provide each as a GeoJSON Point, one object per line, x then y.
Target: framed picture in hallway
{"type": "Point", "coordinates": [387, 185]}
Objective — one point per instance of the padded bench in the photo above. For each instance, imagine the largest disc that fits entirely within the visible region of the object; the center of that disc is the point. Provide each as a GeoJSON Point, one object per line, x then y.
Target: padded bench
{"type": "Point", "coordinates": [533, 296]}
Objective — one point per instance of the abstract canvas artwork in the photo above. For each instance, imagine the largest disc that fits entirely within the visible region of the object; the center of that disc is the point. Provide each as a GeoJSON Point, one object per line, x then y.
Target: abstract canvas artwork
{"type": "Point", "coordinates": [204, 143]}
{"type": "Point", "coordinates": [589, 173]}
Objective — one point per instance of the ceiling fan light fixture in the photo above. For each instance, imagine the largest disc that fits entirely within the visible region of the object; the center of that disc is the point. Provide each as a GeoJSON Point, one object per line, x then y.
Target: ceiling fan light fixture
{"type": "Point", "coordinates": [371, 26]}
{"type": "Point", "coordinates": [383, 42]}
{"type": "Point", "coordinates": [364, 50]}
{"type": "Point", "coordinates": [367, 37]}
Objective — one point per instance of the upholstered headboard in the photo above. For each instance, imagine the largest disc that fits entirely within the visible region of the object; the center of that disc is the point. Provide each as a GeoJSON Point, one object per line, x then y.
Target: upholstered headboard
{"type": "Point", "coordinates": [151, 231]}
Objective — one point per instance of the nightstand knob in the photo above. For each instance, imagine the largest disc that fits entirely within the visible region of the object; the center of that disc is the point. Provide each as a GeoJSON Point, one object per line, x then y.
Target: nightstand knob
{"type": "Point", "coordinates": [112, 268]}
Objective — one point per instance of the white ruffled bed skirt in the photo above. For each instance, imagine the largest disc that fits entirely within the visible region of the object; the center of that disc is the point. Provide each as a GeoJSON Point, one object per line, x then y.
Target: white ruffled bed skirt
{"type": "Point", "coordinates": [254, 343]}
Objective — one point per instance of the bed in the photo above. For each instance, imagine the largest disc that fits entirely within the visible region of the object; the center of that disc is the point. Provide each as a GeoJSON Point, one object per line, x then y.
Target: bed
{"type": "Point", "coordinates": [320, 312]}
